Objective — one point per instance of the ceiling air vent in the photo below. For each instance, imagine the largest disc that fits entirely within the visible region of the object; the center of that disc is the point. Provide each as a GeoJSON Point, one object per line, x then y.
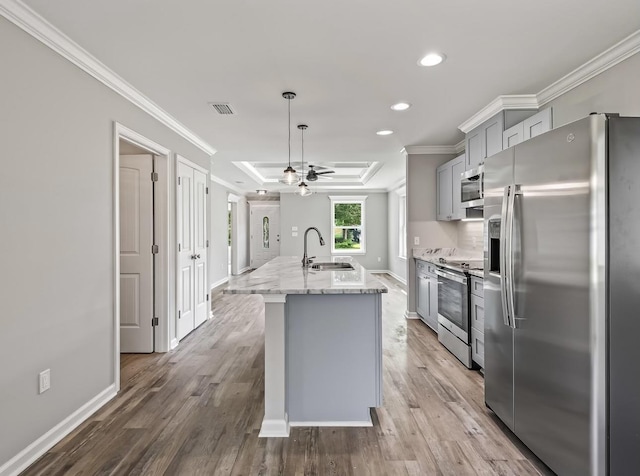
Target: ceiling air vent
{"type": "Point", "coordinates": [223, 108]}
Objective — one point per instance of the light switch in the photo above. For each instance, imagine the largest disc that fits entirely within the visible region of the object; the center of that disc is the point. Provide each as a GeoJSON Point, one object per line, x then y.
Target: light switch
{"type": "Point", "coordinates": [416, 240]}
{"type": "Point", "coordinates": [294, 233]}
{"type": "Point", "coordinates": [294, 228]}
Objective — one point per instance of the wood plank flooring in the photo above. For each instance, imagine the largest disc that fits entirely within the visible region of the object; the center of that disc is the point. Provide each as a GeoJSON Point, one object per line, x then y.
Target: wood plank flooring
{"type": "Point", "coordinates": [197, 411]}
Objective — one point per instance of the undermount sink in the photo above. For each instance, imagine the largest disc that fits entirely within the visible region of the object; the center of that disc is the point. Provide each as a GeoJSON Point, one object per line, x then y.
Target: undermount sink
{"type": "Point", "coordinates": [331, 266]}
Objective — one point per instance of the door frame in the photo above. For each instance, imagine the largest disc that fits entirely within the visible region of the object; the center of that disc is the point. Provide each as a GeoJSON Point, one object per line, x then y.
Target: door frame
{"type": "Point", "coordinates": [233, 199]}
{"type": "Point", "coordinates": [163, 223]}
{"type": "Point", "coordinates": [255, 204]}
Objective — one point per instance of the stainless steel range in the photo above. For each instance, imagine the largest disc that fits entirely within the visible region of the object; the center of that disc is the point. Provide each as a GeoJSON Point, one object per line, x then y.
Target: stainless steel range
{"type": "Point", "coordinates": [453, 307]}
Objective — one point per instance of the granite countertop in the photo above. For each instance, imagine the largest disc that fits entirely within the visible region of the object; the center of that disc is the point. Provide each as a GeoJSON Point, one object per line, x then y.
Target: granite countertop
{"type": "Point", "coordinates": [433, 255]}
{"type": "Point", "coordinates": [285, 275]}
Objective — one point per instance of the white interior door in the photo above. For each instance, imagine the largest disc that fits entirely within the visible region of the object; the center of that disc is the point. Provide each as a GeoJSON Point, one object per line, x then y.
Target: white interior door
{"type": "Point", "coordinates": [136, 257]}
{"type": "Point", "coordinates": [186, 252]}
{"type": "Point", "coordinates": [193, 292]}
{"type": "Point", "coordinates": [265, 233]}
{"type": "Point", "coordinates": [201, 294]}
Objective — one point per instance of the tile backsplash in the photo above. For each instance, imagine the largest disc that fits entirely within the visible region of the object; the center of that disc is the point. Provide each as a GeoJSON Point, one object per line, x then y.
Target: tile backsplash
{"type": "Point", "coordinates": [470, 236]}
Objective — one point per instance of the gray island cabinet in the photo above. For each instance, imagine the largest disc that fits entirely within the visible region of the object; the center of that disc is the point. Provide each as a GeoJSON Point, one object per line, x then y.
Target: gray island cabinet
{"type": "Point", "coordinates": [323, 343]}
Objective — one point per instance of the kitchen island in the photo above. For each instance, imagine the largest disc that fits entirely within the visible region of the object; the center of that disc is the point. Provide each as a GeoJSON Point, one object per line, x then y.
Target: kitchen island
{"type": "Point", "coordinates": [323, 343]}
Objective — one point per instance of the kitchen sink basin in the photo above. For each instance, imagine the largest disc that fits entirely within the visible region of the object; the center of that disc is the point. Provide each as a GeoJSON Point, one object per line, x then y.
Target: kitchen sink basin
{"type": "Point", "coordinates": [331, 266]}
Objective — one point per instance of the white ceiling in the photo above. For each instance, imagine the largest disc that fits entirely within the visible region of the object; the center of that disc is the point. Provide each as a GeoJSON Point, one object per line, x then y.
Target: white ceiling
{"type": "Point", "coordinates": [348, 61]}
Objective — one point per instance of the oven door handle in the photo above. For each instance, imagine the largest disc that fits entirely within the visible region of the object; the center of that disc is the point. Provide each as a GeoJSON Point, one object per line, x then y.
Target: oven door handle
{"type": "Point", "coordinates": [452, 277]}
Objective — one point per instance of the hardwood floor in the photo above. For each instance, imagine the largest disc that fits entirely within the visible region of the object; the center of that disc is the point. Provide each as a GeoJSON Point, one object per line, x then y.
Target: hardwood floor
{"type": "Point", "coordinates": [197, 411]}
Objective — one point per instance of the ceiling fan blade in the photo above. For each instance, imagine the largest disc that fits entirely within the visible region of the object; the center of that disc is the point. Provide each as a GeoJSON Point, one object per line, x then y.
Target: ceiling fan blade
{"type": "Point", "coordinates": [326, 172]}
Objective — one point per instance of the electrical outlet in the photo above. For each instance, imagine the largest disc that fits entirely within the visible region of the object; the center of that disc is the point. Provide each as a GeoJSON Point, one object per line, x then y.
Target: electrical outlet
{"type": "Point", "coordinates": [379, 259]}
{"type": "Point", "coordinates": [416, 240]}
{"type": "Point", "coordinates": [44, 381]}
{"type": "Point", "coordinates": [294, 233]}
{"type": "Point", "coordinates": [294, 228]}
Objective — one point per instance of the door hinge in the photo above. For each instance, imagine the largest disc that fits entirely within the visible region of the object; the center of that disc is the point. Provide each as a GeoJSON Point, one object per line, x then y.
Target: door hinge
{"type": "Point", "coordinates": [179, 247]}
{"type": "Point", "coordinates": [179, 314]}
{"type": "Point", "coordinates": [207, 191]}
{"type": "Point", "coordinates": [178, 180]}
{"type": "Point", "coordinates": [207, 297]}
{"type": "Point", "coordinates": [154, 321]}
{"type": "Point", "coordinates": [154, 249]}
{"type": "Point", "coordinates": [207, 243]}
{"type": "Point", "coordinates": [154, 176]}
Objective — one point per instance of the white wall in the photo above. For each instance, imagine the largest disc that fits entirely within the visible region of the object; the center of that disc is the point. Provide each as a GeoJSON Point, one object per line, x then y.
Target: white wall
{"type": "Point", "coordinates": [56, 244]}
{"type": "Point", "coordinates": [421, 214]}
{"type": "Point", "coordinates": [397, 265]}
{"type": "Point", "coordinates": [315, 210]}
{"type": "Point", "coordinates": [243, 235]}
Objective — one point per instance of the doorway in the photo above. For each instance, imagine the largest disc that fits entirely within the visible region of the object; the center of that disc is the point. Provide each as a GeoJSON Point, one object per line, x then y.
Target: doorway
{"type": "Point", "coordinates": [141, 245]}
{"type": "Point", "coordinates": [232, 235]}
{"type": "Point", "coordinates": [264, 225]}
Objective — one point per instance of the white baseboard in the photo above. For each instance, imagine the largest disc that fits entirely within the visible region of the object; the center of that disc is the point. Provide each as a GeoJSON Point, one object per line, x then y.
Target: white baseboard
{"type": "Point", "coordinates": [174, 344]}
{"type": "Point", "coordinates": [220, 282]}
{"type": "Point", "coordinates": [411, 315]}
{"type": "Point", "coordinates": [378, 271]}
{"type": "Point", "coordinates": [274, 429]}
{"type": "Point", "coordinates": [397, 277]}
{"type": "Point", "coordinates": [244, 270]}
{"type": "Point", "coordinates": [43, 444]}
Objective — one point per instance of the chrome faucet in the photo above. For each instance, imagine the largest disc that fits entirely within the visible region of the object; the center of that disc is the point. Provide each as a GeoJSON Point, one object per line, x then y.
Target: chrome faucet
{"type": "Point", "coordinates": [307, 261]}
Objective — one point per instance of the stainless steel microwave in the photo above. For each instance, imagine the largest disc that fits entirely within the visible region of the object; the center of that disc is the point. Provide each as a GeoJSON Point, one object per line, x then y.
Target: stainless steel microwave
{"type": "Point", "coordinates": [472, 188]}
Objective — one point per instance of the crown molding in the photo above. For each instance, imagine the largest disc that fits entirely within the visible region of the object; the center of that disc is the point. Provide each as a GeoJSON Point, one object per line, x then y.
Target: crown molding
{"type": "Point", "coordinates": [428, 149]}
{"type": "Point", "coordinates": [227, 185]}
{"type": "Point", "coordinates": [501, 103]}
{"type": "Point", "coordinates": [605, 60]}
{"type": "Point", "coordinates": [460, 146]}
{"type": "Point", "coordinates": [35, 25]}
{"type": "Point", "coordinates": [397, 185]}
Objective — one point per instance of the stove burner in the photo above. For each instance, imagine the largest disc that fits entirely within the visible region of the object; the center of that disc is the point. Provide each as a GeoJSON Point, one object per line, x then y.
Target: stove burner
{"type": "Point", "coordinates": [442, 260]}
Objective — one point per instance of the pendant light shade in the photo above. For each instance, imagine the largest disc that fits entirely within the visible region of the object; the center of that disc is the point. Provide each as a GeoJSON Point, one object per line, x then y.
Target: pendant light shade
{"type": "Point", "coordinates": [303, 190]}
{"type": "Point", "coordinates": [290, 176]}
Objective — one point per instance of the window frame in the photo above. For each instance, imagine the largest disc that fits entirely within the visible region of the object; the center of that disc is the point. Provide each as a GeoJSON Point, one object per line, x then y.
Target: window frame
{"type": "Point", "coordinates": [348, 199]}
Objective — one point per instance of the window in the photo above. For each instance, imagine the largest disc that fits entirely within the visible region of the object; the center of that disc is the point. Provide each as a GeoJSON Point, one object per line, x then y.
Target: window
{"type": "Point", "coordinates": [402, 226]}
{"type": "Point", "coordinates": [347, 223]}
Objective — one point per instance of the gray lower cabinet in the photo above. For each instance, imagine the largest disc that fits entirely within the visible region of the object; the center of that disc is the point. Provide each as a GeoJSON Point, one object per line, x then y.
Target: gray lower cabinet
{"type": "Point", "coordinates": [477, 321]}
{"type": "Point", "coordinates": [427, 293]}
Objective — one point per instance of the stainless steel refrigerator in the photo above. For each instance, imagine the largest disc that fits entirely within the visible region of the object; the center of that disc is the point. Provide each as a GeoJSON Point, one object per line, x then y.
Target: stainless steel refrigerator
{"type": "Point", "coordinates": [562, 294]}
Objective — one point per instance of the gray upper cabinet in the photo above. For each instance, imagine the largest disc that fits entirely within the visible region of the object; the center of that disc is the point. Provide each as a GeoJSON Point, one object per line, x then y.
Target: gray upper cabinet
{"type": "Point", "coordinates": [492, 135]}
{"type": "Point", "coordinates": [473, 148]}
{"type": "Point", "coordinates": [512, 136]}
{"type": "Point", "coordinates": [448, 189]}
{"type": "Point", "coordinates": [537, 124]}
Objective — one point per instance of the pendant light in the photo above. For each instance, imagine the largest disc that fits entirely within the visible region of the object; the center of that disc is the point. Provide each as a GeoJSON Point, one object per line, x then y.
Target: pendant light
{"type": "Point", "coordinates": [290, 176]}
{"type": "Point", "coordinates": [303, 190]}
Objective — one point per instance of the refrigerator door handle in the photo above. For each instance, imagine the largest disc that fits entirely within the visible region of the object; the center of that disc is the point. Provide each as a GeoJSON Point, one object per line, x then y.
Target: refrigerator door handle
{"type": "Point", "coordinates": [510, 271]}
{"type": "Point", "coordinates": [504, 262]}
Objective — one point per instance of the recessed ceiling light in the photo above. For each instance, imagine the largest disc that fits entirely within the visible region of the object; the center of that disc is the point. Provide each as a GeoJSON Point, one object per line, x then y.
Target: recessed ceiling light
{"type": "Point", "coordinates": [401, 106]}
{"type": "Point", "coordinates": [384, 133]}
{"type": "Point", "coordinates": [432, 59]}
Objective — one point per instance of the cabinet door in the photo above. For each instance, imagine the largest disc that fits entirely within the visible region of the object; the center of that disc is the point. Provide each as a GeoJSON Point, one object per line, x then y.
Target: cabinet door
{"type": "Point", "coordinates": [433, 302]}
{"type": "Point", "coordinates": [457, 168]}
{"type": "Point", "coordinates": [443, 185]}
{"type": "Point", "coordinates": [537, 124]}
{"type": "Point", "coordinates": [477, 347]}
{"type": "Point", "coordinates": [473, 148]}
{"type": "Point", "coordinates": [422, 296]}
{"type": "Point", "coordinates": [492, 135]}
{"type": "Point", "coordinates": [512, 136]}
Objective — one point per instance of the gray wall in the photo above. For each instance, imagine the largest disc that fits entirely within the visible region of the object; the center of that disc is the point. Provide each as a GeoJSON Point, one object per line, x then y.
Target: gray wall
{"type": "Point", "coordinates": [218, 255]}
{"type": "Point", "coordinates": [56, 245]}
{"type": "Point", "coordinates": [421, 214]}
{"type": "Point", "coordinates": [397, 265]}
{"type": "Point", "coordinates": [615, 90]}
{"type": "Point", "coordinates": [315, 210]}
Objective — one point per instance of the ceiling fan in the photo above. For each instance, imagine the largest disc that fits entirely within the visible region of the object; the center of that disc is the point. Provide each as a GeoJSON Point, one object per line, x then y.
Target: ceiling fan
{"type": "Point", "coordinates": [313, 175]}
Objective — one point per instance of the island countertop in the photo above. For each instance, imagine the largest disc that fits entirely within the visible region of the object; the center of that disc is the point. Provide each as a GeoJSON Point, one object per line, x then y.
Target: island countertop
{"type": "Point", "coordinates": [285, 275]}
